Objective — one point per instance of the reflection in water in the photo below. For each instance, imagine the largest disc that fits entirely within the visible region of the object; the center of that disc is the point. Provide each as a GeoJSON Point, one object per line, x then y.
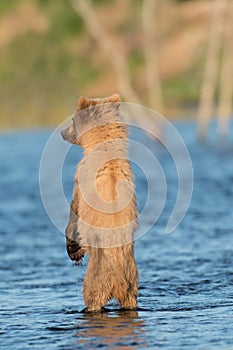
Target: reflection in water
{"type": "Point", "coordinates": [186, 284]}
{"type": "Point", "coordinates": [123, 328]}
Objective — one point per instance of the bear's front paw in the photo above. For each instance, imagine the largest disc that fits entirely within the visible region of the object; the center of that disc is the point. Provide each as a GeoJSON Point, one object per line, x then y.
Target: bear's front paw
{"type": "Point", "coordinates": [74, 250]}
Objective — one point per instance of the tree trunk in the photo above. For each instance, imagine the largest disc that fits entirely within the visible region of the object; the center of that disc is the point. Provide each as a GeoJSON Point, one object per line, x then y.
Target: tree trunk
{"type": "Point", "coordinates": [211, 68]}
{"type": "Point", "coordinates": [151, 58]}
{"type": "Point", "coordinates": [85, 9]}
{"type": "Point", "coordinates": [226, 77]}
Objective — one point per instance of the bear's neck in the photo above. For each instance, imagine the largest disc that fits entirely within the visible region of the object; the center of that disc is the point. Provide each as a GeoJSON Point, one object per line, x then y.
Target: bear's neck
{"type": "Point", "coordinates": [102, 134]}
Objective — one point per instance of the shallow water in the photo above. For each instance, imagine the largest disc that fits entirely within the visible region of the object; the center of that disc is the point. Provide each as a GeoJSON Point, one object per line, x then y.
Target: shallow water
{"type": "Point", "coordinates": [186, 278]}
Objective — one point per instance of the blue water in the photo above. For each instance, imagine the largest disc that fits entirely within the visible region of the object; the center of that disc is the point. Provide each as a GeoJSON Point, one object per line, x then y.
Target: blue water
{"type": "Point", "coordinates": [186, 277]}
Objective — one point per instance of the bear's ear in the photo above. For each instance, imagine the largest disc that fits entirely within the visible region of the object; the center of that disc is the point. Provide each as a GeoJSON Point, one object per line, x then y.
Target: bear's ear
{"type": "Point", "coordinates": [83, 103]}
{"type": "Point", "coordinates": [115, 98]}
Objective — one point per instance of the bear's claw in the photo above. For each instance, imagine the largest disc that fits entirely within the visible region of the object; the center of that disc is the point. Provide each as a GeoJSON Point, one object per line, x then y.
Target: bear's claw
{"type": "Point", "coordinates": [74, 250]}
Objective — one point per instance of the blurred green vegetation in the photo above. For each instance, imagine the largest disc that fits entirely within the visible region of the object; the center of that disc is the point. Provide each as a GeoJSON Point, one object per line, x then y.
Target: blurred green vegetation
{"type": "Point", "coordinates": [6, 5]}
{"type": "Point", "coordinates": [44, 70]}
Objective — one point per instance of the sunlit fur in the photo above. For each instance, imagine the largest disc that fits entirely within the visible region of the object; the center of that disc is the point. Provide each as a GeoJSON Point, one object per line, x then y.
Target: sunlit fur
{"type": "Point", "coordinates": [107, 236]}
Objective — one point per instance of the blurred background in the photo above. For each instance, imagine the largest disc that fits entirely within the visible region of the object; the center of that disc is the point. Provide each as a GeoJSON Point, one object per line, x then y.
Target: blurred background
{"type": "Point", "coordinates": [171, 55]}
{"type": "Point", "coordinates": [175, 57]}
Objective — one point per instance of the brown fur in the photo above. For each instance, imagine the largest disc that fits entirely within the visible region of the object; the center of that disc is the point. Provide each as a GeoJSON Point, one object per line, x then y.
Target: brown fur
{"type": "Point", "coordinates": [103, 226]}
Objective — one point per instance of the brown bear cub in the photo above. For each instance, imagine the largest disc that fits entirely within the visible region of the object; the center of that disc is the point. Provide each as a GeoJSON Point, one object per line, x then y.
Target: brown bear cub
{"type": "Point", "coordinates": [103, 215]}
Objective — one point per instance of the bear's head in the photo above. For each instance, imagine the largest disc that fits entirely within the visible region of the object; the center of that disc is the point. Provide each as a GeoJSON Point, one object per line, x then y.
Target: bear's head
{"type": "Point", "coordinates": [92, 114]}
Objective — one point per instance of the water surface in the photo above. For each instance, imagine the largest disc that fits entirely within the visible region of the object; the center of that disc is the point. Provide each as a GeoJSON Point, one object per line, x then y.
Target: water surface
{"type": "Point", "coordinates": [186, 278]}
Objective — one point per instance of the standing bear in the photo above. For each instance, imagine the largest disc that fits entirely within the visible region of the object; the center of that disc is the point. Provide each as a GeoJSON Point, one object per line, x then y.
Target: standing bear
{"type": "Point", "coordinates": [103, 214]}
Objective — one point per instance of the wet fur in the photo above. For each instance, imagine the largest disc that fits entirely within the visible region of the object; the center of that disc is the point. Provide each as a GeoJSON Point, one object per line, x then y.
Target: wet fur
{"type": "Point", "coordinates": [107, 237]}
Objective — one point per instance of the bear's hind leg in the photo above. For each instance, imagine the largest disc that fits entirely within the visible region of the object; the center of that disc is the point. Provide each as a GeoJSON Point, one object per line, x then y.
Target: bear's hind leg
{"type": "Point", "coordinates": [95, 294]}
{"type": "Point", "coordinates": [126, 289]}
{"type": "Point", "coordinates": [126, 294]}
{"type": "Point", "coordinates": [129, 301]}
